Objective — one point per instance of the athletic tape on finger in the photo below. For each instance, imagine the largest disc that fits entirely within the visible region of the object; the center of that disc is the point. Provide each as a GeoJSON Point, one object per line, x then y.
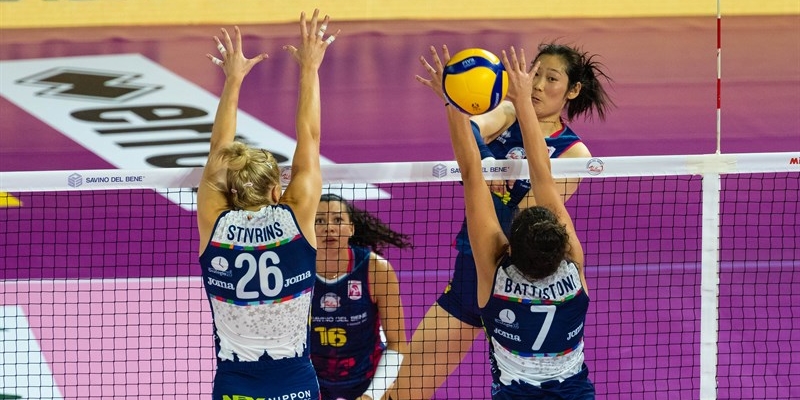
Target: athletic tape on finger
{"type": "Point", "coordinates": [330, 39]}
{"type": "Point", "coordinates": [216, 60]}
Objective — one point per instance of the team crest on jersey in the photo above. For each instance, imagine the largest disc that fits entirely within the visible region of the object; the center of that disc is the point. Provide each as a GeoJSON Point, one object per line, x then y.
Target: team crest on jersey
{"type": "Point", "coordinates": [354, 290]}
{"type": "Point", "coordinates": [330, 302]}
{"type": "Point", "coordinates": [516, 153]}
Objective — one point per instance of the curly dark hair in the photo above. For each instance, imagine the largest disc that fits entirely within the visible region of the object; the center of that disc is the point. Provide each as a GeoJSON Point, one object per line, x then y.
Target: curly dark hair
{"type": "Point", "coordinates": [584, 68]}
{"type": "Point", "coordinates": [538, 242]}
{"type": "Point", "coordinates": [369, 231]}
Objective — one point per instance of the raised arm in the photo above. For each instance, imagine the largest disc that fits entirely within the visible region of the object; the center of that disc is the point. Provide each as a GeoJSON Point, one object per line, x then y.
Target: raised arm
{"type": "Point", "coordinates": [305, 188]}
{"type": "Point", "coordinates": [544, 188]}
{"type": "Point", "coordinates": [485, 234]}
{"type": "Point", "coordinates": [210, 201]}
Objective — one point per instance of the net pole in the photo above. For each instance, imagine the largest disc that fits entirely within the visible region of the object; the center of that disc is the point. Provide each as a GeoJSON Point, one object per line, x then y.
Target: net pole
{"type": "Point", "coordinates": [709, 259]}
{"type": "Point", "coordinates": [709, 286]}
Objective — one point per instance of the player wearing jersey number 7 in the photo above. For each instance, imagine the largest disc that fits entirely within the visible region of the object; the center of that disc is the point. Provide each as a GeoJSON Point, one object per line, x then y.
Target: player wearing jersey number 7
{"type": "Point", "coordinates": [257, 244]}
{"type": "Point", "coordinates": [535, 334]}
{"type": "Point", "coordinates": [567, 85]}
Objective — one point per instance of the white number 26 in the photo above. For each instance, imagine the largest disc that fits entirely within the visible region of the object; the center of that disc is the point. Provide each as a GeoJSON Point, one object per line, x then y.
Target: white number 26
{"type": "Point", "coordinates": [266, 266]}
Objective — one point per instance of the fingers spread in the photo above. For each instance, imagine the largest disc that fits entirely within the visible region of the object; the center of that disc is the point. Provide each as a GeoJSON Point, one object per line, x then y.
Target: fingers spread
{"type": "Point", "coordinates": [446, 53]}
{"type": "Point", "coordinates": [314, 21]}
{"type": "Point", "coordinates": [214, 60]}
{"type": "Point", "coordinates": [303, 27]}
{"type": "Point", "coordinates": [323, 27]}
{"type": "Point", "coordinates": [238, 39]}
{"type": "Point", "coordinates": [535, 67]}
{"type": "Point", "coordinates": [227, 37]}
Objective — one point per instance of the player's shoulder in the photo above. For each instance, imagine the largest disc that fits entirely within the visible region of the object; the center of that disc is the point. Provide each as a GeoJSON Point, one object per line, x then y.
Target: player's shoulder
{"type": "Point", "coordinates": [379, 262]}
{"type": "Point", "coordinates": [577, 150]}
{"type": "Point", "coordinates": [380, 268]}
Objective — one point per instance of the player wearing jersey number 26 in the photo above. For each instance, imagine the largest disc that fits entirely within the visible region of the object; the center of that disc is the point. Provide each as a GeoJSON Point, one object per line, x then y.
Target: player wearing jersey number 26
{"type": "Point", "coordinates": [257, 244]}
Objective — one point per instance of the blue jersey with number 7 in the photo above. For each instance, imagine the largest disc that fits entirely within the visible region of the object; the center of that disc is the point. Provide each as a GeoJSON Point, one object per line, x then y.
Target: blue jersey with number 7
{"type": "Point", "coordinates": [535, 328]}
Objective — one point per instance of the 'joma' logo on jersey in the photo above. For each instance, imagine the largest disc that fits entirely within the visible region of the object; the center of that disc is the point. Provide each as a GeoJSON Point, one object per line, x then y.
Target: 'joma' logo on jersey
{"type": "Point", "coordinates": [222, 284]}
{"type": "Point", "coordinates": [106, 86]}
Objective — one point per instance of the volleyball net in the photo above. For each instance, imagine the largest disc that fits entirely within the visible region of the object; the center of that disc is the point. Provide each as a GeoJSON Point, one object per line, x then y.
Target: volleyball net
{"type": "Point", "coordinates": [691, 263]}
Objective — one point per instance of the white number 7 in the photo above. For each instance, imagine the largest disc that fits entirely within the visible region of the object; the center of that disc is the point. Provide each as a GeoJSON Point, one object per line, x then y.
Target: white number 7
{"type": "Point", "coordinates": [548, 320]}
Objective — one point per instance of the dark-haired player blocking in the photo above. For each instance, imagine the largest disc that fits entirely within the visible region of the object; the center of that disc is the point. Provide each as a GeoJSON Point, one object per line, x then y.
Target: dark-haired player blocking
{"type": "Point", "coordinates": [568, 85]}
{"type": "Point", "coordinates": [535, 333]}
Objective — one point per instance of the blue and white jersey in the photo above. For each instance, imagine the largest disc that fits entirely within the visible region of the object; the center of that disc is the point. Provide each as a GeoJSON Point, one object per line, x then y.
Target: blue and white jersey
{"type": "Point", "coordinates": [508, 146]}
{"type": "Point", "coordinates": [535, 328]}
{"type": "Point", "coordinates": [259, 272]}
{"type": "Point", "coordinates": [346, 343]}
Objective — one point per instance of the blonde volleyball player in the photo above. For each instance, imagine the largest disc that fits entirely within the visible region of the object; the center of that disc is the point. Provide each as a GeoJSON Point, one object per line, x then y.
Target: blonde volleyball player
{"type": "Point", "coordinates": [257, 245]}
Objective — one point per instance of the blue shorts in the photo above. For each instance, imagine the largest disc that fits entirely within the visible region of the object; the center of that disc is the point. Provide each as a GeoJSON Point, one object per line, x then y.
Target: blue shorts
{"type": "Point", "coordinates": [460, 299]}
{"type": "Point", "coordinates": [290, 379]}
{"type": "Point", "coordinates": [576, 387]}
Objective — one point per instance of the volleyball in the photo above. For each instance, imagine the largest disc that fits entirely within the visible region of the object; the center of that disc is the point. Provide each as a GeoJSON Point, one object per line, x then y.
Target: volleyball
{"type": "Point", "coordinates": [475, 81]}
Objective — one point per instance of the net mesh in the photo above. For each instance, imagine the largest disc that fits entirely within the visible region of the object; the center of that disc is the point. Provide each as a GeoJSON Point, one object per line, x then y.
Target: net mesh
{"type": "Point", "coordinates": [101, 294]}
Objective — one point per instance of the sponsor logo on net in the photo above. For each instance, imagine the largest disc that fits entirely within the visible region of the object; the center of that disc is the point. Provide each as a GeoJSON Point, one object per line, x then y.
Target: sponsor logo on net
{"type": "Point", "coordinates": [439, 171]}
{"type": "Point", "coordinates": [595, 166]}
{"type": "Point", "coordinates": [77, 180]}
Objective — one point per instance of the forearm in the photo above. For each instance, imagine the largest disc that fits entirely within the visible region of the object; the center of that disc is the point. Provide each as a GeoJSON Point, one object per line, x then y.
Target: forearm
{"type": "Point", "coordinates": [307, 119]}
{"type": "Point", "coordinates": [464, 145]}
{"type": "Point", "coordinates": [532, 138]}
{"type": "Point", "coordinates": [224, 128]}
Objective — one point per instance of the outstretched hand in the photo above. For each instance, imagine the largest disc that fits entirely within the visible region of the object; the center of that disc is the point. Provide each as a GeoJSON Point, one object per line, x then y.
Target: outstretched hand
{"type": "Point", "coordinates": [520, 78]}
{"type": "Point", "coordinates": [313, 45]}
{"type": "Point", "coordinates": [435, 71]}
{"type": "Point", "coordinates": [232, 61]}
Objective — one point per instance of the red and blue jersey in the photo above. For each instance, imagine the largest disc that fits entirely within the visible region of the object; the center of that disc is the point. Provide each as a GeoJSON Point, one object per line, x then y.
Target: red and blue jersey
{"type": "Point", "coordinates": [346, 343]}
